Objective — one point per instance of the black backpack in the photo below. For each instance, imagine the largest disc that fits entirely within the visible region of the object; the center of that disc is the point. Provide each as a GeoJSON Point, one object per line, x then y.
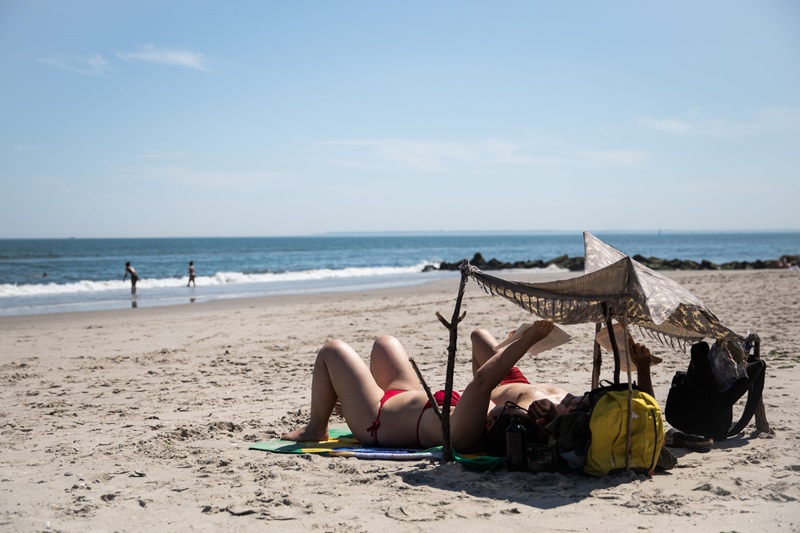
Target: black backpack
{"type": "Point", "coordinates": [695, 404]}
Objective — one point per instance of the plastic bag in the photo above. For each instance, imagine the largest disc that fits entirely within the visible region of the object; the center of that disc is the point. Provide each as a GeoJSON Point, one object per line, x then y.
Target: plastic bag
{"type": "Point", "coordinates": [728, 363]}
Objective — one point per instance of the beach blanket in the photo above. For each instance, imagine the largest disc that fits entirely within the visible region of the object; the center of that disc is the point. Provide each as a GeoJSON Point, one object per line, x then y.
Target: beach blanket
{"type": "Point", "coordinates": [341, 443]}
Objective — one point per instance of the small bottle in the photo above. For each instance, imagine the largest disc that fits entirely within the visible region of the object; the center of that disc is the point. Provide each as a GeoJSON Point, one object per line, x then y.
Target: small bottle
{"type": "Point", "coordinates": [516, 446]}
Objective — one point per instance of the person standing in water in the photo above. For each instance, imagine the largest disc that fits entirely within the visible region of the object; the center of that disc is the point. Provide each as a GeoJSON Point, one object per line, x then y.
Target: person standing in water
{"type": "Point", "coordinates": [191, 274]}
{"type": "Point", "coordinates": [134, 276]}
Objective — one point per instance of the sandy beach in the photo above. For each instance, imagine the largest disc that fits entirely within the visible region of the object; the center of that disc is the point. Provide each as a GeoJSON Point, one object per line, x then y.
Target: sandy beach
{"type": "Point", "coordinates": [140, 420]}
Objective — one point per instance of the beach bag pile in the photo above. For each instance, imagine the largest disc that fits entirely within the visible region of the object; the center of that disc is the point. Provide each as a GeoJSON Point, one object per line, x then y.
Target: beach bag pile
{"type": "Point", "coordinates": [608, 426]}
{"type": "Point", "coordinates": [594, 437]}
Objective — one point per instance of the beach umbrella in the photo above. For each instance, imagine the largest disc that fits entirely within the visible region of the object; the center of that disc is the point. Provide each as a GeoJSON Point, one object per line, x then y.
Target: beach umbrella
{"type": "Point", "coordinates": [614, 286]}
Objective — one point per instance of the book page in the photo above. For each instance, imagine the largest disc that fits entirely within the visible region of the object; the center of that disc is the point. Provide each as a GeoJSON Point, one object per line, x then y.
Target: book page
{"type": "Point", "coordinates": [557, 337]}
{"type": "Point", "coordinates": [603, 340]}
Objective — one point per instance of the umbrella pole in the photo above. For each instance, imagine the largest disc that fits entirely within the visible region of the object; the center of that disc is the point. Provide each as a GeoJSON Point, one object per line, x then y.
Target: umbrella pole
{"type": "Point", "coordinates": [597, 360]}
{"type": "Point", "coordinates": [612, 339]}
{"type": "Point", "coordinates": [630, 392]}
{"type": "Point", "coordinates": [447, 449]}
{"type": "Point", "coordinates": [761, 414]}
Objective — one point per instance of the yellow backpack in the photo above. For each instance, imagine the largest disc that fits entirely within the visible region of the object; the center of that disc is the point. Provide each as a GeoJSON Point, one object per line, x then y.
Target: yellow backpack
{"type": "Point", "coordinates": [608, 424]}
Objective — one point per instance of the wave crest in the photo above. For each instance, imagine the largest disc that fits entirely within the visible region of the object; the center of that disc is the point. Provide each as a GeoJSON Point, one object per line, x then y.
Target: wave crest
{"type": "Point", "coordinates": [218, 279]}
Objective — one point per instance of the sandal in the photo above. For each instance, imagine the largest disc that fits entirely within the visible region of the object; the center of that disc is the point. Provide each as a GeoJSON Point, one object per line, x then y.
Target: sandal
{"type": "Point", "coordinates": [679, 439]}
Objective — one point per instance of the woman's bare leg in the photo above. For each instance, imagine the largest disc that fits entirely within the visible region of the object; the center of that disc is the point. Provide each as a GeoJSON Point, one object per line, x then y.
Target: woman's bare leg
{"type": "Point", "coordinates": [339, 374]}
{"type": "Point", "coordinates": [483, 344]}
{"type": "Point", "coordinates": [391, 367]}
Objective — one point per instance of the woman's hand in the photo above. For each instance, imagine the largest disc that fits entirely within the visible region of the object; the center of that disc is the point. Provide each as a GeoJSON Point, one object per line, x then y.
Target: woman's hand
{"type": "Point", "coordinates": [640, 355]}
{"type": "Point", "coordinates": [538, 331]}
{"type": "Point", "coordinates": [543, 410]}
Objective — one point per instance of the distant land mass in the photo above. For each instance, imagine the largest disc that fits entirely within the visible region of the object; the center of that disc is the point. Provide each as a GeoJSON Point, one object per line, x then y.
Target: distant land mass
{"type": "Point", "coordinates": [434, 233]}
{"type": "Point", "coordinates": [443, 233]}
{"type": "Point", "coordinates": [576, 264]}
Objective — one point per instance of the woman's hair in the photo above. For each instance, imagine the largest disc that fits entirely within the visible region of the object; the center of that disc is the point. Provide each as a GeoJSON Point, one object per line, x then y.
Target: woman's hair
{"type": "Point", "coordinates": [495, 438]}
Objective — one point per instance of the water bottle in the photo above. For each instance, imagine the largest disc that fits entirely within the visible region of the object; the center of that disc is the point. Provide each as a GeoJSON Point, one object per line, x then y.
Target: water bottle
{"type": "Point", "coordinates": [516, 450]}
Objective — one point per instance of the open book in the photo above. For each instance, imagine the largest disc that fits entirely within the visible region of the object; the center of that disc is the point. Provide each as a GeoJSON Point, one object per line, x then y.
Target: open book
{"type": "Point", "coordinates": [603, 340]}
{"type": "Point", "coordinates": [557, 337]}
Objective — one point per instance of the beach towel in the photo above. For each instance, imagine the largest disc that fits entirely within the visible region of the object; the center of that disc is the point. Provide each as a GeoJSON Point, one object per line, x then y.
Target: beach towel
{"type": "Point", "coordinates": [341, 443]}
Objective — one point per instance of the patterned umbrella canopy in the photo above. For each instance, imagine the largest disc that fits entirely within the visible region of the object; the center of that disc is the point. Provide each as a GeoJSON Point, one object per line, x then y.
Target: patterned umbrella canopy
{"type": "Point", "coordinates": [628, 290]}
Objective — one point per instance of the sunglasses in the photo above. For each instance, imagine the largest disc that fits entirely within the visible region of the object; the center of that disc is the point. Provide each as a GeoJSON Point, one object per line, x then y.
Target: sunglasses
{"type": "Point", "coordinates": [512, 405]}
{"type": "Point", "coordinates": [508, 405]}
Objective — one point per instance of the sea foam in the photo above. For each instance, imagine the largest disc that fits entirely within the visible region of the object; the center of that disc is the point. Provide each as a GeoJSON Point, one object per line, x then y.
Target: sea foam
{"type": "Point", "coordinates": [219, 279]}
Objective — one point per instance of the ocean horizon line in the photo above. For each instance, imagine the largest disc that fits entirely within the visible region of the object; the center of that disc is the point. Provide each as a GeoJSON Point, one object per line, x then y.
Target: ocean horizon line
{"type": "Point", "coordinates": [436, 233]}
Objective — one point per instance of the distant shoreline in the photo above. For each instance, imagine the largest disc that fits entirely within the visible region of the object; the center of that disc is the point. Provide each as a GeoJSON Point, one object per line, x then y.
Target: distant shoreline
{"type": "Point", "coordinates": [500, 233]}
{"type": "Point", "coordinates": [576, 264]}
{"type": "Point", "coordinates": [428, 233]}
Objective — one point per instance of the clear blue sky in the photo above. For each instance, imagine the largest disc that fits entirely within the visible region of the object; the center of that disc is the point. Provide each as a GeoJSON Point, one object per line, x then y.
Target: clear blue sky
{"type": "Point", "coordinates": [195, 118]}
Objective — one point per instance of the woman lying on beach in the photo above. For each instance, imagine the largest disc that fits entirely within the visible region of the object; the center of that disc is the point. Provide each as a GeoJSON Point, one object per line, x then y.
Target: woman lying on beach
{"type": "Point", "coordinates": [544, 402]}
{"type": "Point", "coordinates": [385, 405]}
{"type": "Point", "coordinates": [547, 400]}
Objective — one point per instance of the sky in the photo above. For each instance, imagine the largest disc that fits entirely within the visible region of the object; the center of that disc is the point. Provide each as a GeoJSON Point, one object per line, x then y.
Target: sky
{"type": "Point", "coordinates": [265, 118]}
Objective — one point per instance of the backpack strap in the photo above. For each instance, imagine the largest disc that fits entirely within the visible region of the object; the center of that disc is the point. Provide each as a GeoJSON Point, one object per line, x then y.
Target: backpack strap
{"type": "Point", "coordinates": [607, 386]}
{"type": "Point", "coordinates": [754, 382]}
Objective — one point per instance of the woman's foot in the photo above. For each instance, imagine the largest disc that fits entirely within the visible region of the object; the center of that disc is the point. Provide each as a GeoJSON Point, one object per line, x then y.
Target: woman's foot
{"type": "Point", "coordinates": [306, 433]}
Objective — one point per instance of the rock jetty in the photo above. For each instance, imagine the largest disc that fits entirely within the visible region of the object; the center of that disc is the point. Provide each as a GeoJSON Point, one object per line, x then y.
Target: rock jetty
{"type": "Point", "coordinates": [575, 264]}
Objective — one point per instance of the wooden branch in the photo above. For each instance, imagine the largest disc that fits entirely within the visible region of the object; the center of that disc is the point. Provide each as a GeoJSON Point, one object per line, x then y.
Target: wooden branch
{"type": "Point", "coordinates": [630, 392]}
{"type": "Point", "coordinates": [597, 361]}
{"type": "Point", "coordinates": [447, 324]}
{"type": "Point", "coordinates": [761, 413]}
{"type": "Point", "coordinates": [613, 339]}
{"type": "Point", "coordinates": [427, 389]}
{"type": "Point", "coordinates": [761, 419]}
{"type": "Point", "coordinates": [447, 449]}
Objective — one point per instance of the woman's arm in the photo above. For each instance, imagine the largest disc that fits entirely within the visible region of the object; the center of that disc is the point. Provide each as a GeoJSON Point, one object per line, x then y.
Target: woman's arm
{"type": "Point", "coordinates": [468, 421]}
{"type": "Point", "coordinates": [641, 357]}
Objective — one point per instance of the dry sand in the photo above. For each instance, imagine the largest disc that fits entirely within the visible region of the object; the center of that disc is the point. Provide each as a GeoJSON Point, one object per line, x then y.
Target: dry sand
{"type": "Point", "coordinates": [141, 419]}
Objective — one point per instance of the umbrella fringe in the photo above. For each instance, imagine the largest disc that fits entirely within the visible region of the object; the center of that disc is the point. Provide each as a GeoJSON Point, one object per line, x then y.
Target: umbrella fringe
{"type": "Point", "coordinates": [568, 310]}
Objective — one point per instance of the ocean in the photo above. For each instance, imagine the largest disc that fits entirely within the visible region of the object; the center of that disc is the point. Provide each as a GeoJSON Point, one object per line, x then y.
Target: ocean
{"type": "Point", "coordinates": [63, 275]}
